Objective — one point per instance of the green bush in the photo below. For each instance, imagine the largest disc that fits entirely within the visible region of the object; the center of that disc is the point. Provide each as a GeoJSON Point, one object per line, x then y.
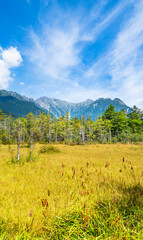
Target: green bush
{"type": "Point", "coordinates": [136, 138]}
{"type": "Point", "coordinates": [24, 146]}
{"type": "Point", "coordinates": [49, 149]}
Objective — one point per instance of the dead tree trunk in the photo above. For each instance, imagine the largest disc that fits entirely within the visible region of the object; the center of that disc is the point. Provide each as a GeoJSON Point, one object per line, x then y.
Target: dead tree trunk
{"type": "Point", "coordinates": [18, 142]}
{"type": "Point", "coordinates": [83, 136]}
{"type": "Point", "coordinates": [110, 135]}
{"type": "Point", "coordinates": [101, 135]}
{"type": "Point", "coordinates": [82, 130]}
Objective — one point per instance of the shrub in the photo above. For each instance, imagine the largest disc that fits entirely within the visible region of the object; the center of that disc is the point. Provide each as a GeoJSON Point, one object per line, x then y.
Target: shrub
{"type": "Point", "coordinates": [24, 146]}
{"type": "Point", "coordinates": [49, 149]}
{"type": "Point", "coordinates": [136, 137]}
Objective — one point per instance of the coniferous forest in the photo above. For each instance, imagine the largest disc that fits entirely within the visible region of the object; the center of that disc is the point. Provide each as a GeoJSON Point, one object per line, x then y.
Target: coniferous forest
{"type": "Point", "coordinates": [111, 127]}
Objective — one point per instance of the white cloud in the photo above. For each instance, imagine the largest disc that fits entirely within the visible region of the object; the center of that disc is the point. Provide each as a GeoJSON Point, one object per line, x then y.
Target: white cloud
{"type": "Point", "coordinates": [81, 94]}
{"type": "Point", "coordinates": [22, 83]}
{"type": "Point", "coordinates": [127, 58]}
{"type": "Point", "coordinates": [9, 59]}
{"type": "Point", "coordinates": [57, 49]}
{"type": "Point", "coordinates": [108, 18]}
{"type": "Point", "coordinates": [55, 53]}
{"type": "Point", "coordinates": [123, 63]}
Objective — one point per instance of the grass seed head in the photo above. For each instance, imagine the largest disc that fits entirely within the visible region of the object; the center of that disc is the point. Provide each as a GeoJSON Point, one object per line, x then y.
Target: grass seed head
{"type": "Point", "coordinates": [30, 213]}
{"type": "Point", "coordinates": [44, 203]}
{"type": "Point", "coordinates": [63, 165]}
{"type": "Point", "coordinates": [107, 164]}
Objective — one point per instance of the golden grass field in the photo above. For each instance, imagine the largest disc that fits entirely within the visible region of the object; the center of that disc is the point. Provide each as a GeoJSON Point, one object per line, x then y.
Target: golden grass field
{"type": "Point", "coordinates": [82, 192]}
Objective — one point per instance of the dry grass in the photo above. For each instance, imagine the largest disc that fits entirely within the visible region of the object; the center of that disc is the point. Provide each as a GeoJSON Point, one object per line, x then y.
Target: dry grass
{"type": "Point", "coordinates": [82, 192]}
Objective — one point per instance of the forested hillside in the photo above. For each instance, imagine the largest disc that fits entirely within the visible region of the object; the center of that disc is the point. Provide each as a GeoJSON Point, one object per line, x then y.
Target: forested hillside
{"type": "Point", "coordinates": [112, 126]}
{"type": "Point", "coordinates": [16, 107]}
{"type": "Point", "coordinates": [12, 103]}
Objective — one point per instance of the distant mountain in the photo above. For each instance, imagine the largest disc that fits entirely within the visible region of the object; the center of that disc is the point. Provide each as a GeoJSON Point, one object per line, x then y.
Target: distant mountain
{"type": "Point", "coordinates": [4, 93]}
{"type": "Point", "coordinates": [87, 108]}
{"type": "Point", "coordinates": [17, 105]}
{"type": "Point", "coordinates": [14, 104]}
{"type": "Point", "coordinates": [56, 106]}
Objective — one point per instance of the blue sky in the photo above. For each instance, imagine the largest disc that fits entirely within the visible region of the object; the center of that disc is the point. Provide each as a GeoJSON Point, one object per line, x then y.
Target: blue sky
{"type": "Point", "coordinates": [73, 49]}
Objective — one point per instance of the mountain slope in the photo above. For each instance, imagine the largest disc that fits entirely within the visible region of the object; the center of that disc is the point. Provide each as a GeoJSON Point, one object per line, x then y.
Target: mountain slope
{"type": "Point", "coordinates": [98, 107]}
{"type": "Point", "coordinates": [4, 93]}
{"type": "Point", "coordinates": [15, 104]}
{"type": "Point", "coordinates": [87, 108]}
{"type": "Point", "coordinates": [55, 106]}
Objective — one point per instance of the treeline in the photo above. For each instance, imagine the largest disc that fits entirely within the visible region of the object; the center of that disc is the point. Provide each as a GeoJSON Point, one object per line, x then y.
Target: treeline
{"type": "Point", "coordinates": [111, 127]}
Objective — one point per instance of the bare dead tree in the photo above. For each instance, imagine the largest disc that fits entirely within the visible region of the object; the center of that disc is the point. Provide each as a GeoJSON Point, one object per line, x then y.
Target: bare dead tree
{"type": "Point", "coordinates": [18, 141]}
{"type": "Point", "coordinates": [82, 130]}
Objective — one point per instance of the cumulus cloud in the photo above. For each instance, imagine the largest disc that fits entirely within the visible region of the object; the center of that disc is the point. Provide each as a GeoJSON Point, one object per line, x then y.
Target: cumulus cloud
{"type": "Point", "coordinates": [9, 59]}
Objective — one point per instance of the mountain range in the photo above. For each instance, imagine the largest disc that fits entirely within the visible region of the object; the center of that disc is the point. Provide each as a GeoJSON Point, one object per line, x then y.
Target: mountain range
{"type": "Point", "coordinates": [17, 105]}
